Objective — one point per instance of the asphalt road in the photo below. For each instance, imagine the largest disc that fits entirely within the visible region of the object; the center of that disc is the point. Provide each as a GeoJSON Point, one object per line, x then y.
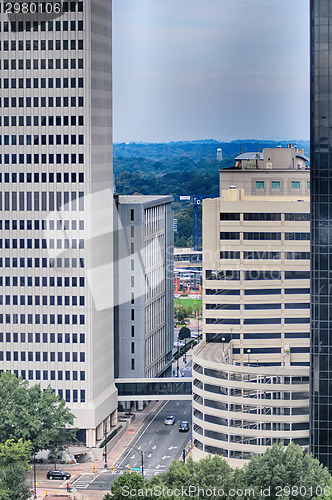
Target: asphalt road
{"type": "Point", "coordinates": [160, 444]}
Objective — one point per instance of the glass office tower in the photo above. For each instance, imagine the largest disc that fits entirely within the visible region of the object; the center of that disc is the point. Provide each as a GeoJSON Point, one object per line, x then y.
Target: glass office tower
{"type": "Point", "coordinates": [321, 231]}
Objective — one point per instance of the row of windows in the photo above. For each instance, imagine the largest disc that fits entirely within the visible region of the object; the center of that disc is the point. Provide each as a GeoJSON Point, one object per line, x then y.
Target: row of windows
{"type": "Point", "coordinates": [277, 184]}
{"type": "Point", "coordinates": [255, 321]}
{"type": "Point", "coordinates": [29, 262]}
{"type": "Point", "coordinates": [66, 375]}
{"type": "Point", "coordinates": [59, 83]}
{"type": "Point", "coordinates": [67, 394]}
{"type": "Point", "coordinates": [51, 25]}
{"type": "Point", "coordinates": [66, 83]}
{"type": "Point", "coordinates": [36, 281]}
{"type": "Point", "coordinates": [50, 224]}
{"type": "Point", "coordinates": [14, 45]}
{"type": "Point", "coordinates": [48, 356]}
{"type": "Point", "coordinates": [43, 121]}
{"type": "Point", "coordinates": [65, 7]}
{"type": "Point", "coordinates": [262, 236]}
{"type": "Point", "coordinates": [50, 243]}
{"type": "Point", "coordinates": [300, 305]}
{"type": "Point", "coordinates": [13, 64]}
{"type": "Point", "coordinates": [253, 255]}
{"type": "Point", "coordinates": [23, 201]}
{"type": "Point", "coordinates": [42, 102]}
{"type": "Point", "coordinates": [43, 159]}
{"type": "Point", "coordinates": [260, 291]}
{"type": "Point", "coordinates": [29, 139]}
{"type": "Point", "coordinates": [44, 300]}
{"type": "Point", "coordinates": [53, 338]}
{"type": "Point", "coordinates": [262, 217]}
{"type": "Point", "coordinates": [254, 274]}
{"type": "Point", "coordinates": [42, 319]}
{"type": "Point", "coordinates": [28, 177]}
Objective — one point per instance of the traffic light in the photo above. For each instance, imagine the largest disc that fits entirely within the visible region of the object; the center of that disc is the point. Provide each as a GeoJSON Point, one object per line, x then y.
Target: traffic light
{"type": "Point", "coordinates": [184, 455]}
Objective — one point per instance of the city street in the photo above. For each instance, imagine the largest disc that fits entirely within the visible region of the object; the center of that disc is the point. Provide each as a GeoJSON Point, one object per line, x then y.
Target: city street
{"type": "Point", "coordinates": [160, 444]}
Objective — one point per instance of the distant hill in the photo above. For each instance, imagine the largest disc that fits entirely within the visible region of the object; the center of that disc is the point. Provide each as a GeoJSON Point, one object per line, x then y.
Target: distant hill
{"type": "Point", "coordinates": [198, 150]}
{"type": "Point", "coordinates": [180, 168]}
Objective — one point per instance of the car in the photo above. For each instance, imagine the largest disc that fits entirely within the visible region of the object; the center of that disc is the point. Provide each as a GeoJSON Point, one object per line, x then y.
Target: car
{"type": "Point", "coordinates": [178, 344]}
{"type": "Point", "coordinates": [169, 420]}
{"type": "Point", "coordinates": [184, 426]}
{"type": "Point", "coordinates": [58, 474]}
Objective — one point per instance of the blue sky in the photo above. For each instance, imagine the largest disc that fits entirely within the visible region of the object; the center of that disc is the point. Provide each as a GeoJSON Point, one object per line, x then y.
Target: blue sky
{"type": "Point", "coordinates": [210, 69]}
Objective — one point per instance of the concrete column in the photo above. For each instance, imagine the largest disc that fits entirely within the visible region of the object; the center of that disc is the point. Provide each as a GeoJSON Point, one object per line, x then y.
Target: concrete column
{"type": "Point", "coordinates": [100, 431]}
{"type": "Point", "coordinates": [90, 438]}
{"type": "Point", "coordinates": [114, 418]}
{"type": "Point", "coordinates": [108, 423]}
{"type": "Point", "coordinates": [140, 405]}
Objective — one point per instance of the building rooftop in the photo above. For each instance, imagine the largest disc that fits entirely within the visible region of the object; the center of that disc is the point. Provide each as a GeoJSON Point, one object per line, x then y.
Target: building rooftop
{"type": "Point", "coordinates": [189, 250]}
{"type": "Point", "coordinates": [141, 199]}
{"type": "Point", "coordinates": [211, 352]}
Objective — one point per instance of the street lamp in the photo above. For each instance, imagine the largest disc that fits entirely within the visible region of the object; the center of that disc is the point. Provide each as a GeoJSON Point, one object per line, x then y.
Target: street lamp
{"type": "Point", "coordinates": [34, 476]}
{"type": "Point", "coordinates": [177, 360]}
{"type": "Point", "coordinates": [223, 345]}
{"type": "Point", "coordinates": [105, 439]}
{"type": "Point", "coordinates": [142, 459]}
{"type": "Point", "coordinates": [248, 351]}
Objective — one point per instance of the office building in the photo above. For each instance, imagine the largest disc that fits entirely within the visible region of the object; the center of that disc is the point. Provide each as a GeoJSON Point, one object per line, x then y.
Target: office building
{"type": "Point", "coordinates": [56, 274]}
{"type": "Point", "coordinates": [144, 318]}
{"type": "Point", "coordinates": [321, 224]}
{"type": "Point", "coordinates": [251, 375]}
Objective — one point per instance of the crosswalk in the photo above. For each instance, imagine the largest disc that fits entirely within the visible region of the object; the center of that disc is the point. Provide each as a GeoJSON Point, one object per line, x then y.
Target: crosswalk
{"type": "Point", "coordinates": [83, 481]}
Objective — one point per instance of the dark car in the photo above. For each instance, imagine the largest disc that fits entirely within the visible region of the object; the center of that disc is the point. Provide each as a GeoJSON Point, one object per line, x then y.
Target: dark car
{"type": "Point", "coordinates": [58, 474]}
{"type": "Point", "coordinates": [184, 426]}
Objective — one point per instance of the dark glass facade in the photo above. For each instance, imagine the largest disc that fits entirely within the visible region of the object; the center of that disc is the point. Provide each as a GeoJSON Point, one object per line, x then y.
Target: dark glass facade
{"type": "Point", "coordinates": [321, 231]}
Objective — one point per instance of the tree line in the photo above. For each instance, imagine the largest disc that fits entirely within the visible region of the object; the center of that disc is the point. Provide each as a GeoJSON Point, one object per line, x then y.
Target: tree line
{"type": "Point", "coordinates": [281, 473]}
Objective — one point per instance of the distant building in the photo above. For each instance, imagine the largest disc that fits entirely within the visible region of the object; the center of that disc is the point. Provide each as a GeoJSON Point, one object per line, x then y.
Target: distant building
{"type": "Point", "coordinates": [219, 154]}
{"type": "Point", "coordinates": [187, 270]}
{"type": "Point", "coordinates": [144, 318]}
{"type": "Point", "coordinates": [251, 376]}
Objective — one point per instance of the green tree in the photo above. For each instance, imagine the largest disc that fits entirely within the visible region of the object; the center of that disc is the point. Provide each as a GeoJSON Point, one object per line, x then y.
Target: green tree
{"type": "Point", "coordinates": [127, 482]}
{"type": "Point", "coordinates": [184, 333]}
{"type": "Point", "coordinates": [13, 468]}
{"type": "Point", "coordinates": [208, 473]}
{"type": "Point", "coordinates": [30, 413]}
{"type": "Point", "coordinates": [181, 313]}
{"type": "Point", "coordinates": [280, 468]}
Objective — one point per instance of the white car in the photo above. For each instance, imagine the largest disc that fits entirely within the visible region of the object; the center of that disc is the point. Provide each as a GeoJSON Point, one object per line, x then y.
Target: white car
{"type": "Point", "coordinates": [169, 420]}
{"type": "Point", "coordinates": [178, 344]}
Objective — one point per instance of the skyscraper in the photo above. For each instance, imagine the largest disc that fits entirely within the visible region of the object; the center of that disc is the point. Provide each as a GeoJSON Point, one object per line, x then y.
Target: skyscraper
{"type": "Point", "coordinates": [56, 272]}
{"type": "Point", "coordinates": [321, 226]}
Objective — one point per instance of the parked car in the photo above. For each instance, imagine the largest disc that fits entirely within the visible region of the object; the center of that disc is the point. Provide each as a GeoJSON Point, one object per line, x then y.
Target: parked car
{"type": "Point", "coordinates": [178, 344]}
{"type": "Point", "coordinates": [184, 426]}
{"type": "Point", "coordinates": [58, 474]}
{"type": "Point", "coordinates": [169, 420]}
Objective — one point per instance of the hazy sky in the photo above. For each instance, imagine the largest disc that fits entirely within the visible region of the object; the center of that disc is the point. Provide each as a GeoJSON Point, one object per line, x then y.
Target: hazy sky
{"type": "Point", "coordinates": [210, 69]}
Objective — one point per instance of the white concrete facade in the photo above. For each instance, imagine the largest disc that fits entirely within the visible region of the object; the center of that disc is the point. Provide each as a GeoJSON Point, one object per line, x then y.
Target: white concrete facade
{"type": "Point", "coordinates": [256, 314]}
{"type": "Point", "coordinates": [56, 212]}
{"type": "Point", "coordinates": [144, 319]}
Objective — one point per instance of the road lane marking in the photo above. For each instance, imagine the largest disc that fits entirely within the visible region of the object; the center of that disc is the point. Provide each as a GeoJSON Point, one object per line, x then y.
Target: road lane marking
{"type": "Point", "coordinates": [156, 415]}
